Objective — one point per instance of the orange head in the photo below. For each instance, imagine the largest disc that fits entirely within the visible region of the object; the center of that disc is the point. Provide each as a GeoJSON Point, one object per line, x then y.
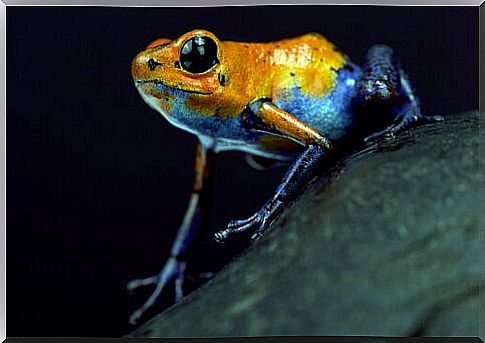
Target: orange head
{"type": "Point", "coordinates": [189, 63]}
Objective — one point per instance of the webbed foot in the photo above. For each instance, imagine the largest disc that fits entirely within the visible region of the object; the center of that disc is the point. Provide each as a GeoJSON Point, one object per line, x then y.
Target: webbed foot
{"type": "Point", "coordinates": [402, 123]}
{"type": "Point", "coordinates": [384, 84]}
{"type": "Point", "coordinates": [173, 270]}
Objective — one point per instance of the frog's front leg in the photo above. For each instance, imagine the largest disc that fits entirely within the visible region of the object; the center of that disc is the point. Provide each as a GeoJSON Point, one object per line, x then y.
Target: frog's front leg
{"type": "Point", "coordinates": [385, 87]}
{"type": "Point", "coordinates": [270, 119]}
{"type": "Point", "coordinates": [188, 235]}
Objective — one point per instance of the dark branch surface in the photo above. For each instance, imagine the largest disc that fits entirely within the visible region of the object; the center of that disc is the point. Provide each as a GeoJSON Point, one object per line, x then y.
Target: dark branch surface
{"type": "Point", "coordinates": [391, 246]}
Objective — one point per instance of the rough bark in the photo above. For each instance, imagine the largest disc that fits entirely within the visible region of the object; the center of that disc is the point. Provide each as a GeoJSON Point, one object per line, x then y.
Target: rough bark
{"type": "Point", "coordinates": [391, 246]}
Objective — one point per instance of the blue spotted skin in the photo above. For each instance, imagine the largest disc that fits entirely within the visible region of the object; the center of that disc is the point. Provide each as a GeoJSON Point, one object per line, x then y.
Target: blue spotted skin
{"type": "Point", "coordinates": [330, 114]}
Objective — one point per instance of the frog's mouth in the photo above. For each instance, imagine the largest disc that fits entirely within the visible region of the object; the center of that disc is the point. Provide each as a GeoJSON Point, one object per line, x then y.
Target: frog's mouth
{"type": "Point", "coordinates": [181, 88]}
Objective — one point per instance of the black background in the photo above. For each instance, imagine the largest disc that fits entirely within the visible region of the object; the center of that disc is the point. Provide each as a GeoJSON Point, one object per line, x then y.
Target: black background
{"type": "Point", "coordinates": [97, 182]}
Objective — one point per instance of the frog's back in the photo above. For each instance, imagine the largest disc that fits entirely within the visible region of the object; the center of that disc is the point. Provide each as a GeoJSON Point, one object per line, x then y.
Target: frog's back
{"type": "Point", "coordinates": [315, 84]}
{"type": "Point", "coordinates": [306, 76]}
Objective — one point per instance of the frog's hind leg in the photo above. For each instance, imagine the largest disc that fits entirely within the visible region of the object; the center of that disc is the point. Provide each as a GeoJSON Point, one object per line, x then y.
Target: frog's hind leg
{"type": "Point", "coordinates": [385, 87]}
{"type": "Point", "coordinates": [188, 236]}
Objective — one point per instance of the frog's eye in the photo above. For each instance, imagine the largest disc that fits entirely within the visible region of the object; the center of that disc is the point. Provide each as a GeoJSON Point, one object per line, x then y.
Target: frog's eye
{"type": "Point", "coordinates": [198, 54]}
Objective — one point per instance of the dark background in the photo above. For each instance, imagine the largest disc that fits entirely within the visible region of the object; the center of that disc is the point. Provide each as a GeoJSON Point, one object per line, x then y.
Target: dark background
{"type": "Point", "coordinates": [97, 182]}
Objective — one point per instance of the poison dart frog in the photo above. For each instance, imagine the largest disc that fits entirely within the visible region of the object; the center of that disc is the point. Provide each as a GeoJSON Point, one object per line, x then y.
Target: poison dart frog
{"type": "Point", "coordinates": [292, 100]}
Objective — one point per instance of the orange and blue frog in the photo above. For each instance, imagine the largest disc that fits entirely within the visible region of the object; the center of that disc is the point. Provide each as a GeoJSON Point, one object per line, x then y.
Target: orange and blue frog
{"type": "Point", "coordinates": [294, 100]}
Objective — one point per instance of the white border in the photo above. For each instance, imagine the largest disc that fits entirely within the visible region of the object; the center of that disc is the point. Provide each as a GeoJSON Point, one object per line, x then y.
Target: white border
{"type": "Point", "coordinates": [215, 3]}
{"type": "Point", "coordinates": [3, 225]}
{"type": "Point", "coordinates": [140, 3]}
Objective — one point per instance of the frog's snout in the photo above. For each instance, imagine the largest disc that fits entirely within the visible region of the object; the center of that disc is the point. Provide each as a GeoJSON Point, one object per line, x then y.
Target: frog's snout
{"type": "Point", "coordinates": [141, 65]}
{"type": "Point", "coordinates": [145, 66]}
{"type": "Point", "coordinates": [146, 62]}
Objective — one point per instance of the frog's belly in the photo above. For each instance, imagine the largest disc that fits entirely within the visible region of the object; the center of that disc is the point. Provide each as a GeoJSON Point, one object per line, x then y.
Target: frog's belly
{"type": "Point", "coordinates": [230, 133]}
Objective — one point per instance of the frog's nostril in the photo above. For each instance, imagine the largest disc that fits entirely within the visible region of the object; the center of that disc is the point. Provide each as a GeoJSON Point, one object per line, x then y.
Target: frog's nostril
{"type": "Point", "coordinates": [143, 64]}
{"type": "Point", "coordinates": [152, 64]}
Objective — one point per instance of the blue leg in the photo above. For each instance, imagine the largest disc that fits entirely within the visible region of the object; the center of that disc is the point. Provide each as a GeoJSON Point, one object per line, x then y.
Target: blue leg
{"type": "Point", "coordinates": [385, 87]}
{"type": "Point", "coordinates": [270, 119]}
{"type": "Point", "coordinates": [187, 237]}
{"type": "Point", "coordinates": [296, 178]}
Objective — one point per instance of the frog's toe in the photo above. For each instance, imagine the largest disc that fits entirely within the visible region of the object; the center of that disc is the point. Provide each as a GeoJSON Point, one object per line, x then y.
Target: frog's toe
{"type": "Point", "coordinates": [173, 270]}
{"type": "Point", "coordinates": [235, 224]}
{"type": "Point", "coordinates": [137, 283]}
{"type": "Point", "coordinates": [223, 235]}
{"type": "Point", "coordinates": [388, 132]}
{"type": "Point", "coordinates": [430, 119]}
{"type": "Point", "coordinates": [404, 123]}
{"type": "Point", "coordinates": [259, 231]}
{"type": "Point", "coordinates": [412, 120]}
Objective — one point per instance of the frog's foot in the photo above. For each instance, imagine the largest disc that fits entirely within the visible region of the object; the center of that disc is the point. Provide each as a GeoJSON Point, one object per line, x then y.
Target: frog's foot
{"type": "Point", "coordinates": [256, 224]}
{"type": "Point", "coordinates": [403, 122]}
{"type": "Point", "coordinates": [236, 227]}
{"type": "Point", "coordinates": [173, 270]}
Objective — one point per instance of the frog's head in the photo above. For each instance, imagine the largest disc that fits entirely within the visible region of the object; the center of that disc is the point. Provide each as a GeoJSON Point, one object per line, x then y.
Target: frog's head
{"type": "Point", "coordinates": [178, 69]}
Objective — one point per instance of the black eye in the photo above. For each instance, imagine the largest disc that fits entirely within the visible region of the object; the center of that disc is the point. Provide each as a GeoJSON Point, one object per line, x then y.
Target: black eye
{"type": "Point", "coordinates": [198, 54]}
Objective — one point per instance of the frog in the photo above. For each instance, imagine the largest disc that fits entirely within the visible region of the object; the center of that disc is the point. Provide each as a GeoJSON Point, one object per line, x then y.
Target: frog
{"type": "Point", "coordinates": [292, 101]}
